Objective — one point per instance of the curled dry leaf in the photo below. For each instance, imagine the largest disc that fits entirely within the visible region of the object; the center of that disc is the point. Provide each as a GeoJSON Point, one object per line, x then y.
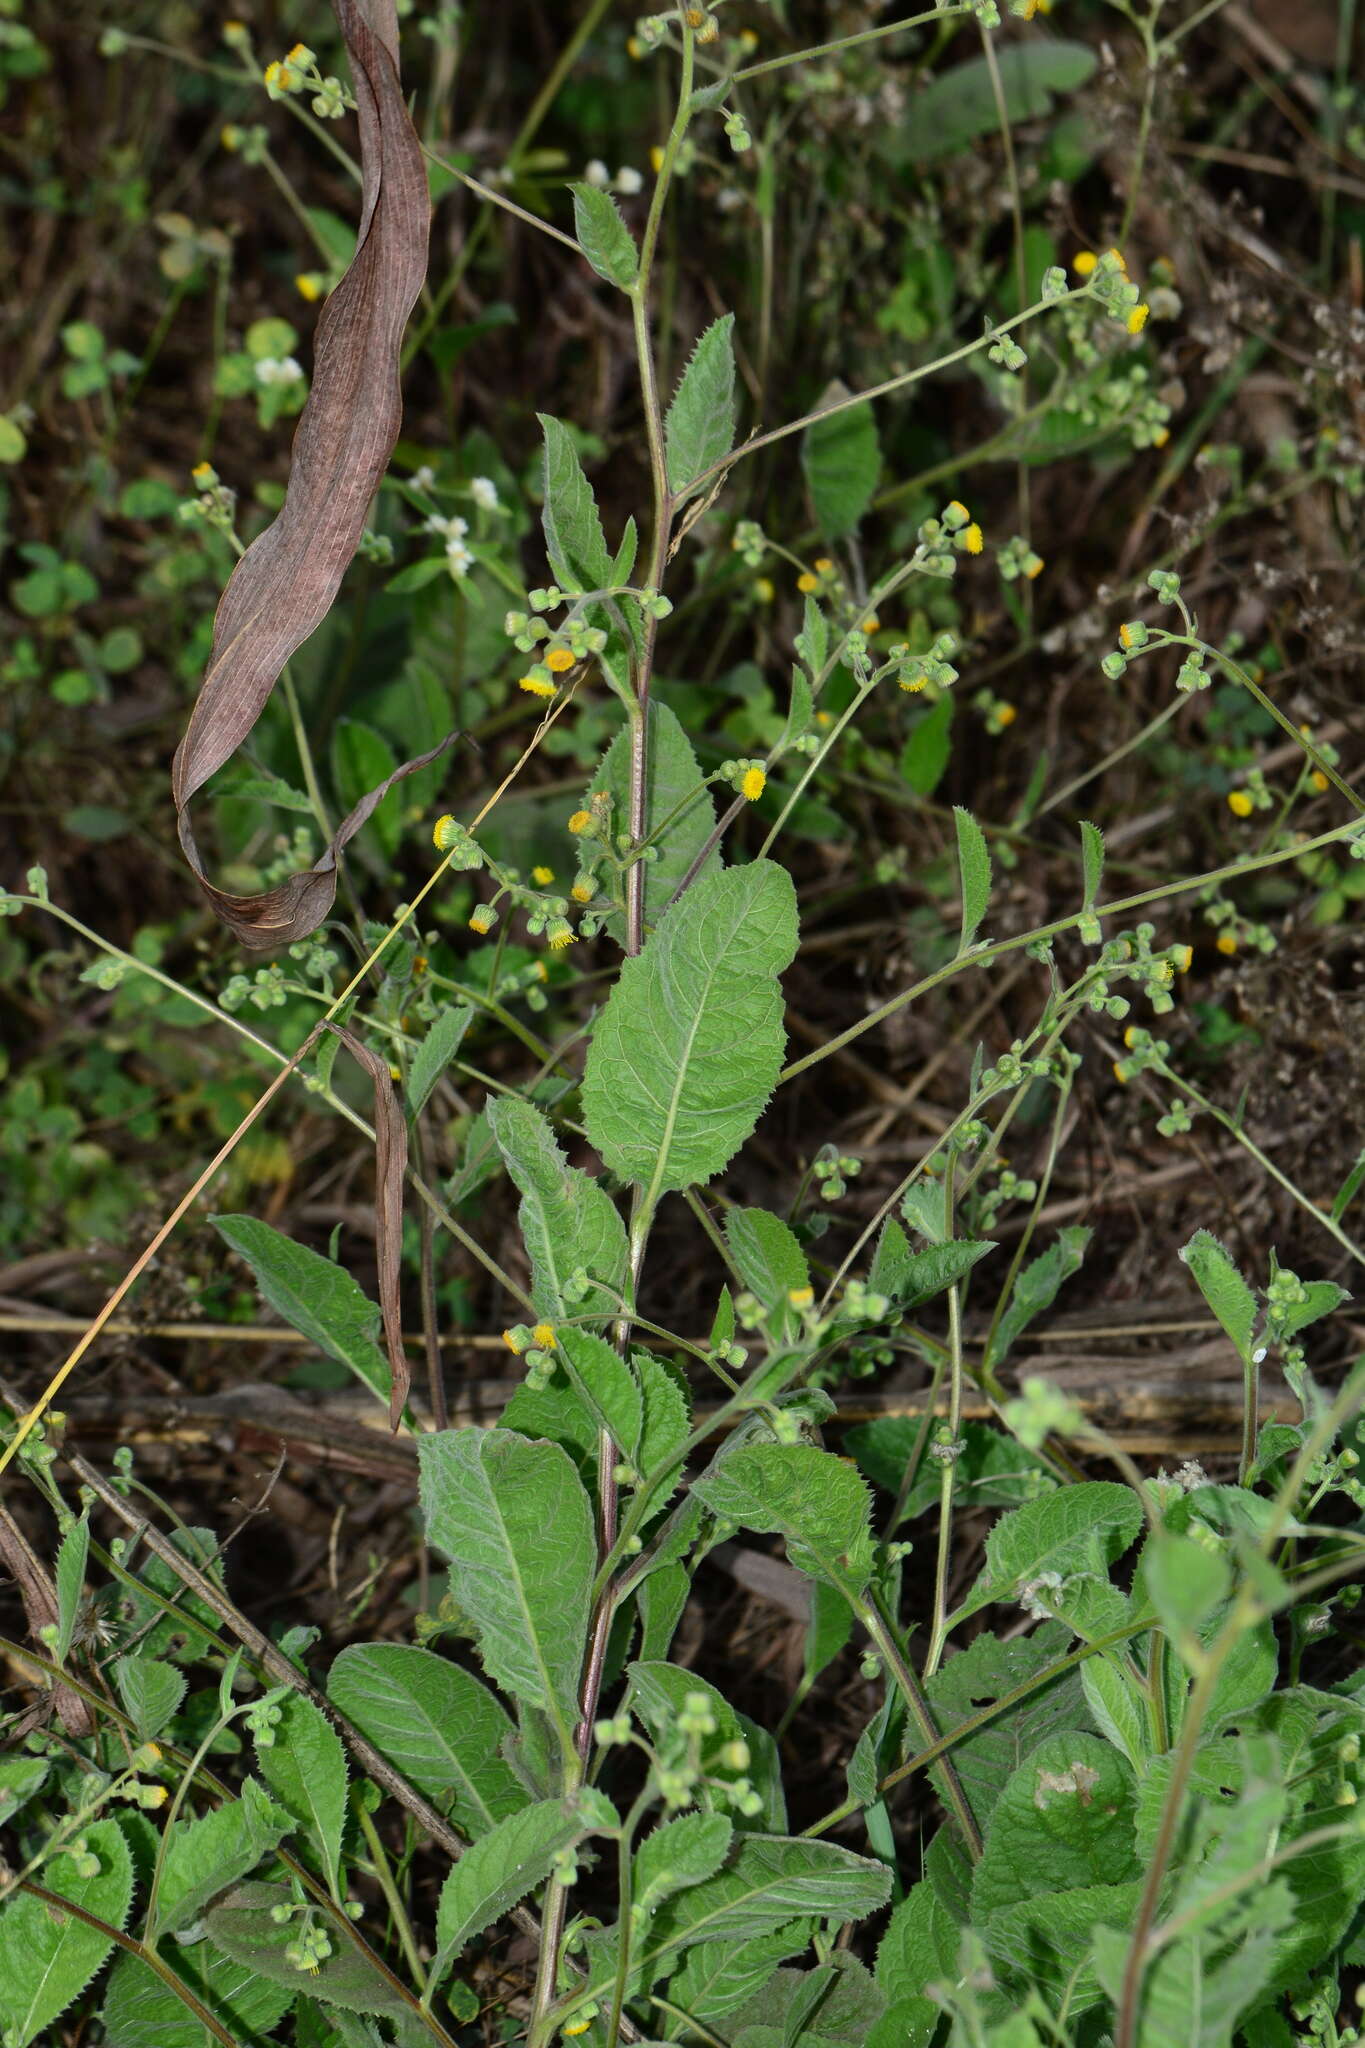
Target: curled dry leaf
{"type": "Point", "coordinates": [390, 1166]}
{"type": "Point", "coordinates": [286, 581]}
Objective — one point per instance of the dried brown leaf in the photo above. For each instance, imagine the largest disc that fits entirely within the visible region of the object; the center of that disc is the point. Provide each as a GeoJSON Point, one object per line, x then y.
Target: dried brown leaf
{"type": "Point", "coordinates": [285, 583]}
{"type": "Point", "coordinates": [390, 1166]}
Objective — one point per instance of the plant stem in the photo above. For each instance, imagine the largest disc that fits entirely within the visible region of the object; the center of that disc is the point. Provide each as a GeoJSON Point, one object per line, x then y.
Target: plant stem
{"type": "Point", "coordinates": [883, 1636]}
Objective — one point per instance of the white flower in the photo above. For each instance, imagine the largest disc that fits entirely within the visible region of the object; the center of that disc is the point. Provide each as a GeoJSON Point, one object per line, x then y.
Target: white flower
{"type": "Point", "coordinates": [596, 173]}
{"type": "Point", "coordinates": [278, 370]}
{"type": "Point", "coordinates": [629, 180]}
{"type": "Point", "coordinates": [484, 492]}
{"type": "Point", "coordinates": [453, 528]}
{"type": "Point", "coordinates": [422, 479]}
{"type": "Point", "coordinates": [458, 556]}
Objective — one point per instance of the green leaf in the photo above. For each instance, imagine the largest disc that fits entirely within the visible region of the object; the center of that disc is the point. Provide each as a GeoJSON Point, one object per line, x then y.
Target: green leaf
{"type": "Point", "coordinates": [687, 1050]}
{"type": "Point", "coordinates": [985, 1672]}
{"type": "Point", "coordinates": [913, 1277]}
{"type": "Point", "coordinates": [206, 1855]}
{"type": "Point", "coordinates": [1068, 1811]}
{"type": "Point", "coordinates": [678, 1853]}
{"type": "Point", "coordinates": [842, 461]}
{"type": "Point", "coordinates": [769, 1259]}
{"type": "Point", "coordinates": [271, 790]}
{"type": "Point", "coordinates": [1223, 1288]}
{"type": "Point", "coordinates": [816, 1501]}
{"type": "Point", "coordinates": [919, 1948]}
{"type": "Point", "coordinates": [836, 2005]}
{"type": "Point", "coordinates": [607, 1388]}
{"type": "Point", "coordinates": [603, 236]}
{"type": "Point", "coordinates": [992, 1470]}
{"type": "Point", "coordinates": [1092, 862]}
{"type": "Point", "coordinates": [305, 1768]}
{"type": "Point", "coordinates": [567, 1220]}
{"type": "Point", "coordinates": [1195, 1990]}
{"type": "Point", "coordinates": [769, 1880]}
{"type": "Point", "coordinates": [1080, 1528]}
{"type": "Point", "coordinates": [667, 1421]}
{"type": "Point", "coordinates": [800, 712]}
{"type": "Point", "coordinates": [959, 105]}
{"type": "Point", "coordinates": [315, 1297]}
{"type": "Point", "coordinates": [1115, 1709]}
{"type": "Point", "coordinates": [72, 1554]}
{"type": "Point", "coordinates": [676, 794]}
{"type": "Point", "coordinates": [574, 539]}
{"type": "Point", "coordinates": [1041, 1941]}
{"type": "Point", "coordinates": [974, 868]}
{"type": "Point", "coordinates": [361, 759]}
{"type": "Point", "coordinates": [699, 430]}
{"type": "Point", "coordinates": [1036, 1288]}
{"type": "Point", "coordinates": [517, 1526]}
{"type": "Point", "coordinates": [502, 1867]}
{"type": "Point", "coordinates": [659, 1692]}
{"type": "Point", "coordinates": [662, 1597]}
{"type": "Point", "coordinates": [150, 1691]}
{"type": "Point", "coordinates": [97, 822]}
{"type": "Point", "coordinates": [927, 752]}
{"type": "Point", "coordinates": [141, 2010]}
{"type": "Point", "coordinates": [716, 1976]}
{"type": "Point", "coordinates": [13, 446]}
{"type": "Point", "coordinates": [435, 1053]}
{"type": "Point", "coordinates": [242, 1926]}
{"type": "Point", "coordinates": [1184, 1581]}
{"type": "Point", "coordinates": [434, 1722]}
{"type": "Point", "coordinates": [47, 1959]}
{"type": "Point", "coordinates": [827, 1631]}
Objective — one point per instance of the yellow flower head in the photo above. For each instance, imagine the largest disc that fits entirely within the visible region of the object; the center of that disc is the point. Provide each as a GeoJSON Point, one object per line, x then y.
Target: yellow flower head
{"type": "Point", "coordinates": [558, 660]}
{"type": "Point", "coordinates": [1161, 437]}
{"type": "Point", "coordinates": [395, 1073]}
{"type": "Point", "coordinates": [482, 918]}
{"type": "Point", "coordinates": [443, 833]}
{"type": "Point", "coordinates": [542, 877]}
{"type": "Point", "coordinates": [308, 285]}
{"type": "Point", "coordinates": [1130, 1036]}
{"type": "Point", "coordinates": [420, 963]}
{"type": "Point", "coordinates": [580, 822]}
{"type": "Point", "coordinates": [204, 475]}
{"type": "Point", "coordinates": [753, 784]}
{"type": "Point", "coordinates": [956, 513]}
{"type": "Point", "coordinates": [1125, 636]}
{"type": "Point", "coordinates": [559, 940]}
{"type": "Point", "coordinates": [974, 539]}
{"type": "Point", "coordinates": [1240, 804]}
{"type": "Point", "coordinates": [634, 47]}
{"type": "Point", "coordinates": [871, 623]}
{"type": "Point", "coordinates": [656, 159]}
{"type": "Point", "coordinates": [763, 590]}
{"type": "Point", "coordinates": [1137, 319]}
{"type": "Point", "coordinates": [300, 54]}
{"type": "Point", "coordinates": [1318, 779]}
{"type": "Point", "coordinates": [1120, 1073]}
{"type": "Point", "coordinates": [1185, 959]}
{"type": "Point", "coordinates": [914, 684]}
{"type": "Point", "coordinates": [1005, 714]}
{"type": "Point", "coordinates": [823, 718]}
{"type": "Point", "coordinates": [1226, 942]}
{"type": "Point", "coordinates": [1118, 257]}
{"type": "Point", "coordinates": [152, 1796]}
{"type": "Point", "coordinates": [582, 892]}
{"type": "Point", "coordinates": [806, 583]}
{"type": "Point", "coordinates": [271, 72]}
{"type": "Point", "coordinates": [534, 688]}
{"type": "Point", "coordinates": [1084, 262]}
{"type": "Point", "coordinates": [544, 1334]}
{"type": "Point", "coordinates": [824, 564]}
{"type": "Point", "coordinates": [1034, 567]}
{"type": "Point", "coordinates": [801, 1297]}
{"type": "Point", "coordinates": [513, 1341]}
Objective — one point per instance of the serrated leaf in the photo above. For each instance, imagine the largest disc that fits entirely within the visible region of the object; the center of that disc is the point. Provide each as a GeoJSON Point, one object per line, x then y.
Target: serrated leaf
{"type": "Point", "coordinates": [661, 1599]}
{"type": "Point", "coordinates": [974, 870]}
{"type": "Point", "coordinates": [574, 539]}
{"type": "Point", "coordinates": [678, 800]}
{"type": "Point", "coordinates": [141, 2011]}
{"type": "Point", "coordinates": [1195, 1990]}
{"type": "Point", "coordinates": [913, 1277]}
{"type": "Point", "coordinates": [919, 1948]}
{"type": "Point", "coordinates": [687, 1050]}
{"type": "Point", "coordinates": [1115, 1711]}
{"type": "Point", "coordinates": [624, 560]}
{"type": "Point", "coordinates": [928, 750]}
{"type": "Point", "coordinates": [768, 1257]}
{"type": "Point", "coordinates": [242, 1926]}
{"type": "Point", "coordinates": [434, 1722]}
{"type": "Point", "coordinates": [606, 1386]}
{"type": "Point", "coordinates": [362, 759]}
{"type": "Point", "coordinates": [603, 236]}
{"type": "Point", "coordinates": [72, 1553]}
{"type": "Point", "coordinates": [1068, 1810]}
{"type": "Point", "coordinates": [667, 1421]}
{"type": "Point", "coordinates": [305, 1768]}
{"type": "Point", "coordinates": [819, 1503]}
{"type": "Point", "coordinates": [502, 1867]}
{"type": "Point", "coordinates": [517, 1526]}
{"type": "Point", "coordinates": [1184, 1581]}
{"type": "Point", "coordinates": [992, 1470]}
{"type": "Point", "coordinates": [1223, 1288]}
{"type": "Point", "coordinates": [985, 1672]}
{"type": "Point", "coordinates": [151, 1692]}
{"type": "Point", "coordinates": [842, 460]}
{"type": "Point", "coordinates": [1042, 1940]}
{"type": "Point", "coordinates": [660, 1692]}
{"type": "Point", "coordinates": [699, 430]}
{"type": "Point", "coordinates": [716, 1976]}
{"type": "Point", "coordinates": [800, 712]}
{"type": "Point", "coordinates": [835, 2005]}
{"type": "Point", "coordinates": [1036, 1288]}
{"type": "Point", "coordinates": [435, 1053]}
{"type": "Point", "coordinates": [676, 1854]}
{"type": "Point", "coordinates": [1080, 1528]}
{"type": "Point", "coordinates": [1092, 862]}
{"type": "Point", "coordinates": [567, 1220]}
{"type": "Point", "coordinates": [47, 1958]}
{"type": "Point", "coordinates": [315, 1297]}
{"type": "Point", "coordinates": [207, 1854]}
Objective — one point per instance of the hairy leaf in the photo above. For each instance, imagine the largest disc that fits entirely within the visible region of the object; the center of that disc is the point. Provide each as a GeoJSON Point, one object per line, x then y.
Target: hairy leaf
{"type": "Point", "coordinates": [503, 1866]}
{"type": "Point", "coordinates": [699, 430]}
{"type": "Point", "coordinates": [1037, 1287]}
{"type": "Point", "coordinates": [603, 236]}
{"type": "Point", "coordinates": [574, 539]}
{"type": "Point", "coordinates": [207, 1854]}
{"type": "Point", "coordinates": [241, 1924]}
{"type": "Point", "coordinates": [47, 1957]}
{"type": "Point", "coordinates": [435, 1723]}
{"type": "Point", "coordinates": [435, 1053]}
{"type": "Point", "coordinates": [305, 1768]}
{"type": "Point", "coordinates": [315, 1297]}
{"type": "Point", "coordinates": [818, 1502]}
{"type": "Point", "coordinates": [679, 807]}
{"type": "Point", "coordinates": [974, 868]}
{"type": "Point", "coordinates": [842, 460]}
{"type": "Point", "coordinates": [1223, 1288]}
{"type": "Point", "coordinates": [142, 2011]}
{"type": "Point", "coordinates": [687, 1050]}
{"type": "Point", "coordinates": [1080, 1528]}
{"type": "Point", "coordinates": [567, 1220]}
{"type": "Point", "coordinates": [150, 1691]}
